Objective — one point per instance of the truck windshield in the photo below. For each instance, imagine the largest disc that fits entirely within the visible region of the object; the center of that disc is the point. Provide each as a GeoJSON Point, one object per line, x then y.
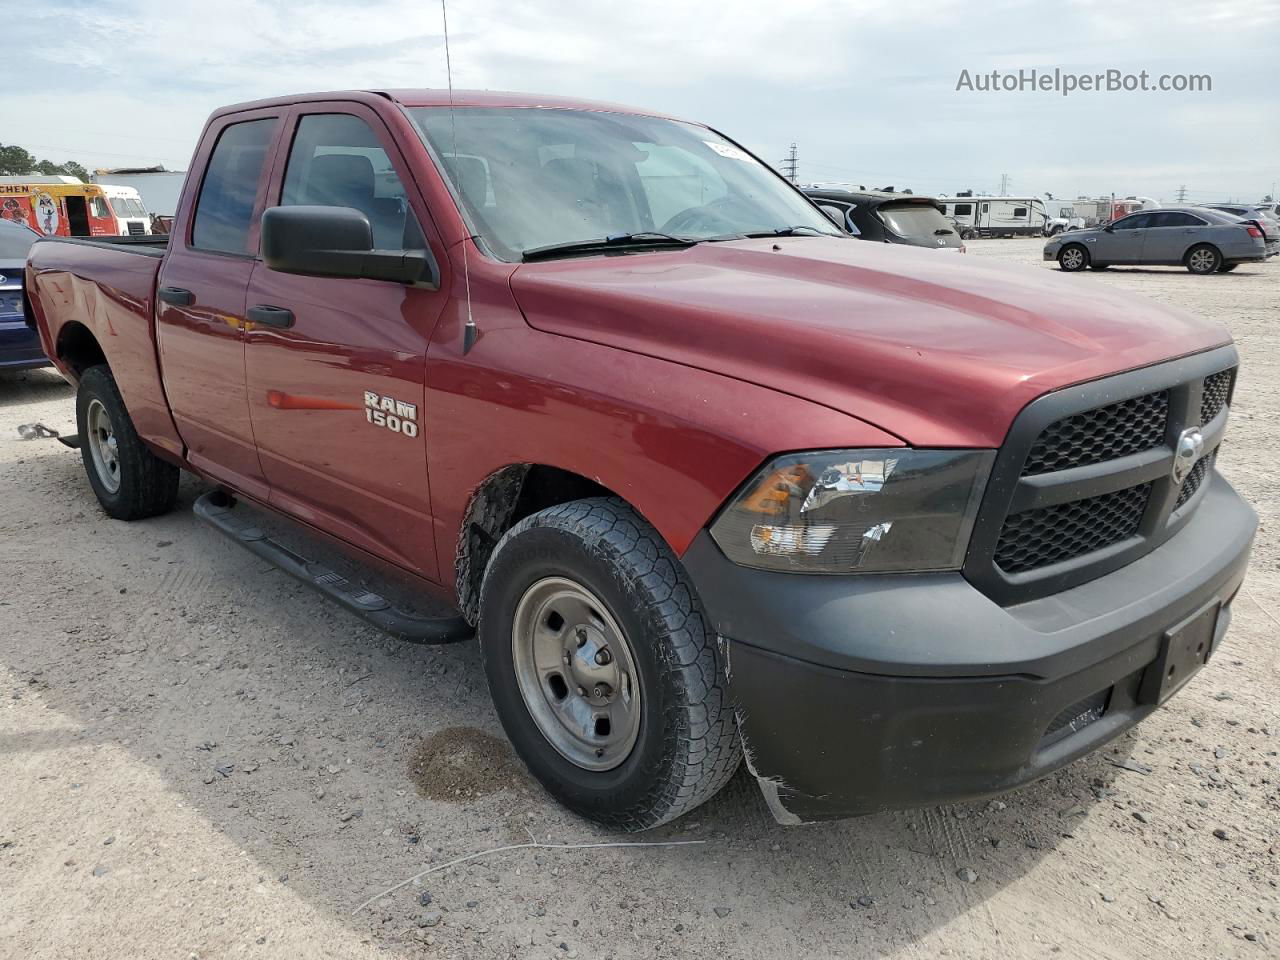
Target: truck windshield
{"type": "Point", "coordinates": [532, 178]}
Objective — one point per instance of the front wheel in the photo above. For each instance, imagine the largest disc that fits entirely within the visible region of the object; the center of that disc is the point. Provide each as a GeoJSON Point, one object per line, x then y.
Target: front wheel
{"type": "Point", "coordinates": [1204, 259]}
{"type": "Point", "coordinates": [602, 669]}
{"type": "Point", "coordinates": [129, 480]}
{"type": "Point", "coordinates": [1073, 257]}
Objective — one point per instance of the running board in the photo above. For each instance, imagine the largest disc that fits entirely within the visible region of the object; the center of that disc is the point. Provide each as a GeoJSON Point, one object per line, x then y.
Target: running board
{"type": "Point", "coordinates": [218, 510]}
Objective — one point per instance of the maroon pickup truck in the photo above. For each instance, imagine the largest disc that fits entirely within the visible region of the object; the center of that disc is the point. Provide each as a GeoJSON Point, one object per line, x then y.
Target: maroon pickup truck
{"type": "Point", "coordinates": [709, 479]}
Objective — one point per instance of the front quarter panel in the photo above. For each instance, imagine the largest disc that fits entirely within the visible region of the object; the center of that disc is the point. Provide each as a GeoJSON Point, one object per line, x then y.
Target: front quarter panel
{"type": "Point", "coordinates": [674, 441]}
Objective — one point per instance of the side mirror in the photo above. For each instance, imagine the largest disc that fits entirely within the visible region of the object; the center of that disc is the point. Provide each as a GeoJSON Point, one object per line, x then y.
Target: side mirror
{"type": "Point", "coordinates": [1110, 227]}
{"type": "Point", "coordinates": [336, 242]}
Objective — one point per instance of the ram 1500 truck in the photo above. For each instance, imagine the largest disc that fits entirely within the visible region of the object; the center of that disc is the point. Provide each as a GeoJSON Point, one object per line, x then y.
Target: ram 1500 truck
{"type": "Point", "coordinates": [709, 479]}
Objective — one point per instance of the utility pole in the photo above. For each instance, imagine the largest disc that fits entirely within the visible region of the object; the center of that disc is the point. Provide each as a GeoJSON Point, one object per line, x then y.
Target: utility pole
{"type": "Point", "coordinates": [1004, 184]}
{"type": "Point", "coordinates": [791, 165]}
{"type": "Point", "coordinates": [1182, 193]}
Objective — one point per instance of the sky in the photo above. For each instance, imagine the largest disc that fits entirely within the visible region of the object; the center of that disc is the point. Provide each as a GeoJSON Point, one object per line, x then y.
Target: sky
{"type": "Point", "coordinates": [867, 89]}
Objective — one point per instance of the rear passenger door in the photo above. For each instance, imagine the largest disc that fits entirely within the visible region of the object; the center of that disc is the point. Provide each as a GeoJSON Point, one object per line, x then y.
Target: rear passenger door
{"type": "Point", "coordinates": [1170, 234]}
{"type": "Point", "coordinates": [336, 389]}
{"type": "Point", "coordinates": [200, 308]}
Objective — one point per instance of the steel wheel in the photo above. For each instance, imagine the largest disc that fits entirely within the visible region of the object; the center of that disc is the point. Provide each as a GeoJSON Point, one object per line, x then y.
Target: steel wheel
{"type": "Point", "coordinates": [103, 446]}
{"type": "Point", "coordinates": [577, 673]}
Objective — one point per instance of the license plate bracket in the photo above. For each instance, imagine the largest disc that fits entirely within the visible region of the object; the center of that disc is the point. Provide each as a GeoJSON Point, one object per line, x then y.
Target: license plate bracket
{"type": "Point", "coordinates": [1184, 649]}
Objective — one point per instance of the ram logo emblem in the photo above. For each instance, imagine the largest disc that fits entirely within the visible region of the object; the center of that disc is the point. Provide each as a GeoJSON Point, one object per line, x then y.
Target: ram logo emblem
{"type": "Point", "coordinates": [395, 415]}
{"type": "Point", "coordinates": [1189, 449]}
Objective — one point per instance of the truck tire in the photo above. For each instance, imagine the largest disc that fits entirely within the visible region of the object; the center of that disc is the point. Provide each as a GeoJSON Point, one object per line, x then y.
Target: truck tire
{"type": "Point", "coordinates": [601, 666]}
{"type": "Point", "coordinates": [1203, 258]}
{"type": "Point", "coordinates": [1073, 257]}
{"type": "Point", "coordinates": [129, 480]}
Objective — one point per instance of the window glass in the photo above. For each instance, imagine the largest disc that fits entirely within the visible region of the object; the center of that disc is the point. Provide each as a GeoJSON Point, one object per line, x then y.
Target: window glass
{"type": "Point", "coordinates": [15, 241]}
{"type": "Point", "coordinates": [916, 220]}
{"type": "Point", "coordinates": [964, 210]}
{"type": "Point", "coordinates": [1133, 222]}
{"type": "Point", "coordinates": [533, 178]}
{"type": "Point", "coordinates": [337, 161]}
{"type": "Point", "coordinates": [99, 208]}
{"type": "Point", "coordinates": [224, 208]}
{"type": "Point", "coordinates": [1174, 218]}
{"type": "Point", "coordinates": [1019, 211]}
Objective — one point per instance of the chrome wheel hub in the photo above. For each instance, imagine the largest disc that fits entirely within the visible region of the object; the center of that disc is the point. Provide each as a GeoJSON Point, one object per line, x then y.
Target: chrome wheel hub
{"type": "Point", "coordinates": [104, 449]}
{"type": "Point", "coordinates": [1072, 258]}
{"type": "Point", "coordinates": [576, 672]}
{"type": "Point", "coordinates": [1202, 260]}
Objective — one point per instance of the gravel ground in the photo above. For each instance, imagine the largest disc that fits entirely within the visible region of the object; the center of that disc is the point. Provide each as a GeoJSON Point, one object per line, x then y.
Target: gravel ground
{"type": "Point", "coordinates": [201, 759]}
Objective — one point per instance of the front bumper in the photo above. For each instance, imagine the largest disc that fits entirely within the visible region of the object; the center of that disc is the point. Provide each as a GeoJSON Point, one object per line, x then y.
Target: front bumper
{"type": "Point", "coordinates": [876, 692]}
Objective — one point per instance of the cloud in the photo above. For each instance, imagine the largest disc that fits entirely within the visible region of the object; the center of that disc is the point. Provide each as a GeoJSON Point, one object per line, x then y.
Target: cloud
{"type": "Point", "coordinates": [866, 88]}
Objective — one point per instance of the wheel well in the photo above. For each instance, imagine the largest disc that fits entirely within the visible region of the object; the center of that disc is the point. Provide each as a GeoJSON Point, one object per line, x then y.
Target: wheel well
{"type": "Point", "coordinates": [78, 348]}
{"type": "Point", "coordinates": [501, 501]}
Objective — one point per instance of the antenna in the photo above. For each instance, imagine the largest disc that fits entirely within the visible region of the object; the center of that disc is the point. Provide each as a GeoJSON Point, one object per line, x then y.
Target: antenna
{"type": "Point", "coordinates": [469, 330]}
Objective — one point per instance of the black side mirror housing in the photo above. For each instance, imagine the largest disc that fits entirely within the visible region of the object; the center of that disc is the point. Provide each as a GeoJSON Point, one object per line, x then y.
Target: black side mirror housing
{"type": "Point", "coordinates": [337, 242]}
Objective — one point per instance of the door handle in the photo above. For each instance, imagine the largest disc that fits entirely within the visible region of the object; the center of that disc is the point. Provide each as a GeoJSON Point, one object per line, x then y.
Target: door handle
{"type": "Point", "coordinates": [178, 296]}
{"type": "Point", "coordinates": [269, 316]}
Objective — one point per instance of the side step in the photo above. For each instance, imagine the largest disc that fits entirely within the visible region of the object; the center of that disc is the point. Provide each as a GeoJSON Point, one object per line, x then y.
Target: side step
{"type": "Point", "coordinates": [218, 510]}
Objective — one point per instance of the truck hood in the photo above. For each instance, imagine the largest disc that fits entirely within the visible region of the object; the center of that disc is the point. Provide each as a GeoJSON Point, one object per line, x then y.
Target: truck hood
{"type": "Point", "coordinates": [940, 351]}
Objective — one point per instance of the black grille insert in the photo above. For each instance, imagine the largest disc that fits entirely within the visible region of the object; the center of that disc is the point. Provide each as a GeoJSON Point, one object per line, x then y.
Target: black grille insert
{"type": "Point", "coordinates": [1101, 434]}
{"type": "Point", "coordinates": [1193, 479]}
{"type": "Point", "coordinates": [1217, 387]}
{"type": "Point", "coordinates": [1037, 538]}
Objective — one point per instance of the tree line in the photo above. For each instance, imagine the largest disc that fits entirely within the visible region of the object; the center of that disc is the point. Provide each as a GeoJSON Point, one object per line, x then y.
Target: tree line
{"type": "Point", "coordinates": [17, 161]}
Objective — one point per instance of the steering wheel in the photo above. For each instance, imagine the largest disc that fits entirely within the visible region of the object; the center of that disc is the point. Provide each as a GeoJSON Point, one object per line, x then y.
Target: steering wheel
{"type": "Point", "coordinates": [705, 219]}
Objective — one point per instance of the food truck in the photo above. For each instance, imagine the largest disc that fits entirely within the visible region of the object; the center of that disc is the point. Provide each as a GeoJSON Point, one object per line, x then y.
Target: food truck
{"type": "Point", "coordinates": [58, 209]}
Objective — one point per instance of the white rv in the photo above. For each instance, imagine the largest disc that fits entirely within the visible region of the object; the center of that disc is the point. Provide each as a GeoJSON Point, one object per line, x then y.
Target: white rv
{"type": "Point", "coordinates": [997, 216]}
{"type": "Point", "coordinates": [132, 218]}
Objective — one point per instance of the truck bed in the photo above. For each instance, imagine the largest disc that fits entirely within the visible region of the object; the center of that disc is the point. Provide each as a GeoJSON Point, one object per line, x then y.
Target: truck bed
{"type": "Point", "coordinates": [152, 246]}
{"type": "Point", "coordinates": [105, 287]}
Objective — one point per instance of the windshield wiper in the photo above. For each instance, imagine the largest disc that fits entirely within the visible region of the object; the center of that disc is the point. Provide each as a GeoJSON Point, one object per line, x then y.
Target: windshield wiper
{"type": "Point", "coordinates": [651, 239]}
{"type": "Point", "coordinates": [792, 232]}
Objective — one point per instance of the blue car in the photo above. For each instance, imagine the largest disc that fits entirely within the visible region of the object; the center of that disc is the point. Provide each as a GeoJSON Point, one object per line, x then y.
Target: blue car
{"type": "Point", "coordinates": [19, 344]}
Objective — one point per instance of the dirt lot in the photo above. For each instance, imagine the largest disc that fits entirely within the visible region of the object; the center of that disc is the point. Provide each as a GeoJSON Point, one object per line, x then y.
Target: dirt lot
{"type": "Point", "coordinates": [200, 759]}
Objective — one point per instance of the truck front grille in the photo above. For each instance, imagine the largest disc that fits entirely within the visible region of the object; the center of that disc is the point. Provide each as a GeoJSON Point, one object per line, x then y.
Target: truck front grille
{"type": "Point", "coordinates": [1084, 482]}
{"type": "Point", "coordinates": [1103, 433]}
{"type": "Point", "coordinates": [1037, 538]}
{"type": "Point", "coordinates": [1194, 479]}
{"type": "Point", "coordinates": [1216, 390]}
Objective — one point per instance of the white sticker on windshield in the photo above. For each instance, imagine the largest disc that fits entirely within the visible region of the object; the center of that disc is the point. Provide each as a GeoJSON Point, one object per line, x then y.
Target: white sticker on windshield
{"type": "Point", "coordinates": [728, 150]}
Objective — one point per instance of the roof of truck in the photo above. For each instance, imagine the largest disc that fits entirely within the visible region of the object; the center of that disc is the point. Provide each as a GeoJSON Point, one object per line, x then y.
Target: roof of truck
{"type": "Point", "coordinates": [430, 97]}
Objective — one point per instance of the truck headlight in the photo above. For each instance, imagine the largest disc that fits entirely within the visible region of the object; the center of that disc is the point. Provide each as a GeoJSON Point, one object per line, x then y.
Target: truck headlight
{"type": "Point", "coordinates": [856, 511]}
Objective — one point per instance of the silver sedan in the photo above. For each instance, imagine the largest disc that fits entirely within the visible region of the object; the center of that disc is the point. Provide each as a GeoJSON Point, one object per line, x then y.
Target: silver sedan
{"type": "Point", "coordinates": [1202, 240]}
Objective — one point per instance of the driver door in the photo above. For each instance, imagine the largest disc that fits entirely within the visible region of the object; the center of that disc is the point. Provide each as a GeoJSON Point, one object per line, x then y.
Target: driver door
{"type": "Point", "coordinates": [335, 365]}
{"type": "Point", "coordinates": [1123, 242]}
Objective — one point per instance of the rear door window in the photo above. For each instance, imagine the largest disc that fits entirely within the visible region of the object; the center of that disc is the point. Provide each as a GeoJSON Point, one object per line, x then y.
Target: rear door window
{"type": "Point", "coordinates": [224, 208]}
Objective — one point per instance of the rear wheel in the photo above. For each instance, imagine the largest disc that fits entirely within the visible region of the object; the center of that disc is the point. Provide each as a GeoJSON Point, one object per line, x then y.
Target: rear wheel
{"type": "Point", "coordinates": [1073, 257]}
{"type": "Point", "coordinates": [601, 666]}
{"type": "Point", "coordinates": [129, 480]}
{"type": "Point", "coordinates": [1204, 259]}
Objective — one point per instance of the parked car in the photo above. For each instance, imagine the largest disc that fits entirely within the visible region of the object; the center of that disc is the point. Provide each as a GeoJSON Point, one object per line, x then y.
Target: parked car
{"type": "Point", "coordinates": [710, 477]}
{"type": "Point", "coordinates": [1259, 214]}
{"type": "Point", "coordinates": [890, 217]}
{"type": "Point", "coordinates": [19, 342]}
{"type": "Point", "coordinates": [1202, 240]}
